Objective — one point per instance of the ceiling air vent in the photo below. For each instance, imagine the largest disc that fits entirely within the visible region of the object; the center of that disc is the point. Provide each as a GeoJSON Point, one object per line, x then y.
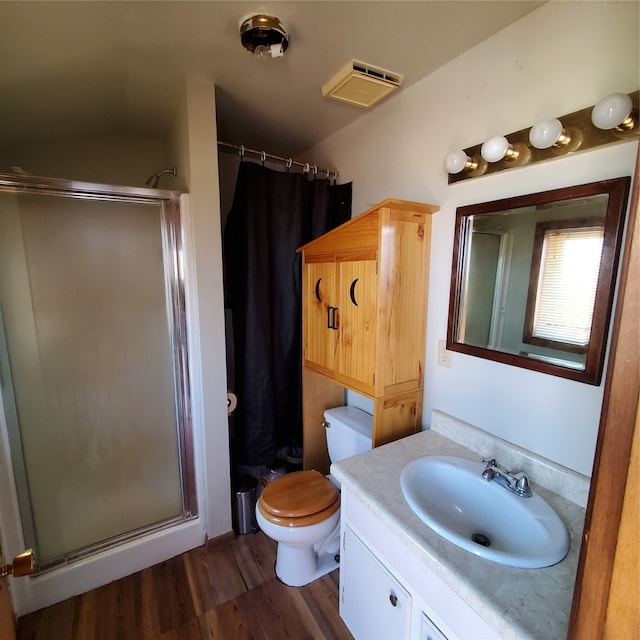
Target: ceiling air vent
{"type": "Point", "coordinates": [361, 84]}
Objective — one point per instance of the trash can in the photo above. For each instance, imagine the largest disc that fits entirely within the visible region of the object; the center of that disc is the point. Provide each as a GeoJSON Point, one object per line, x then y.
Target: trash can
{"type": "Point", "coordinates": [271, 471]}
{"type": "Point", "coordinates": [244, 504]}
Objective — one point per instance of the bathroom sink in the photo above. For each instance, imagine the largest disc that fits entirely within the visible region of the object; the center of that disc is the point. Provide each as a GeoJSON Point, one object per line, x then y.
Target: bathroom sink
{"type": "Point", "coordinates": [451, 497]}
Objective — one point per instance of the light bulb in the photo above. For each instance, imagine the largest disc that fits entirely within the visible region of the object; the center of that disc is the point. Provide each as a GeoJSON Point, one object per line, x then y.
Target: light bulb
{"type": "Point", "coordinates": [612, 112]}
{"type": "Point", "coordinates": [262, 51]}
{"type": "Point", "coordinates": [494, 149]}
{"type": "Point", "coordinates": [547, 134]}
{"type": "Point", "coordinates": [456, 161]}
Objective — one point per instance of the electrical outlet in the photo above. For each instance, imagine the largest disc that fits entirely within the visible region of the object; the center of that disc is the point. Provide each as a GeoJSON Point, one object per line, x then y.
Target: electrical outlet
{"type": "Point", "coordinates": [444, 356]}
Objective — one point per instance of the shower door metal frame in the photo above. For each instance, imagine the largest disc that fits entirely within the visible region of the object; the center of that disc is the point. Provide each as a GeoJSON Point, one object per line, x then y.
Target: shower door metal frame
{"type": "Point", "coordinates": [174, 276]}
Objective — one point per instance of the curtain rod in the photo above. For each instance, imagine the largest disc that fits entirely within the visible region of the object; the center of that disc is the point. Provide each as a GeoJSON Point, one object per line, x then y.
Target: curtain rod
{"type": "Point", "coordinates": [306, 167]}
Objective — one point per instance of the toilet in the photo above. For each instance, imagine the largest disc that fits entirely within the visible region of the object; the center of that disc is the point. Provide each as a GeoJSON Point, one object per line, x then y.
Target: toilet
{"type": "Point", "coordinates": [301, 510]}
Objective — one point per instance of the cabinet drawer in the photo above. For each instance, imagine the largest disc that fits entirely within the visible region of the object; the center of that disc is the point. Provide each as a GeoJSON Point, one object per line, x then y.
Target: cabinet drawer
{"type": "Point", "coordinates": [373, 604]}
{"type": "Point", "coordinates": [428, 630]}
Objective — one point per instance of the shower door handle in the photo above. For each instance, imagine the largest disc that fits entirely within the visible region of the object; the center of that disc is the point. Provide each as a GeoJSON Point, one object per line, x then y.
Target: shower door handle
{"type": "Point", "coordinates": [23, 565]}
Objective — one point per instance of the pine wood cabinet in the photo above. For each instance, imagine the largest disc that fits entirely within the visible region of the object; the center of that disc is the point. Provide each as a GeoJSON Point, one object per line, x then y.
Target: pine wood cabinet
{"type": "Point", "coordinates": [340, 308]}
{"type": "Point", "coordinates": [364, 315]}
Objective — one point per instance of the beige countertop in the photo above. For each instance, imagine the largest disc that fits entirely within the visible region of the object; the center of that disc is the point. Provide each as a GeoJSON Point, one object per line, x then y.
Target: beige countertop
{"type": "Point", "coordinates": [532, 604]}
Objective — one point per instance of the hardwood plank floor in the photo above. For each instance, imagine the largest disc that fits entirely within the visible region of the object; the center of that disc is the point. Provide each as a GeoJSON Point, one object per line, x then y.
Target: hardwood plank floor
{"type": "Point", "coordinates": [222, 591]}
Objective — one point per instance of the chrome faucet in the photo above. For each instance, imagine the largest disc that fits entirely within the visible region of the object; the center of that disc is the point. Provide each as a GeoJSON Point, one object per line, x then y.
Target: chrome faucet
{"type": "Point", "coordinates": [518, 482]}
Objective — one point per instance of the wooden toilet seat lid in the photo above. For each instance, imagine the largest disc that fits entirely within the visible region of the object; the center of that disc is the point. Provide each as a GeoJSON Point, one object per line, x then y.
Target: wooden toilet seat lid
{"type": "Point", "coordinates": [299, 494]}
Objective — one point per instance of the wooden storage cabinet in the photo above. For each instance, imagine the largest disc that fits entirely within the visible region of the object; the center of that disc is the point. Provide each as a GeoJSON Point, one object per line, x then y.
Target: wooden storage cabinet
{"type": "Point", "coordinates": [364, 315]}
{"type": "Point", "coordinates": [340, 312]}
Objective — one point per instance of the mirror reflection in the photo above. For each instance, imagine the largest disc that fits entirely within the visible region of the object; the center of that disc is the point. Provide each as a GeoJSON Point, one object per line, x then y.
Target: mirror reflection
{"type": "Point", "coordinates": [533, 277]}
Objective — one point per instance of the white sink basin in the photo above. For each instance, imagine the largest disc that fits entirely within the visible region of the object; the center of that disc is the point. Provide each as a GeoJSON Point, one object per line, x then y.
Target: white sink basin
{"type": "Point", "coordinates": [450, 496]}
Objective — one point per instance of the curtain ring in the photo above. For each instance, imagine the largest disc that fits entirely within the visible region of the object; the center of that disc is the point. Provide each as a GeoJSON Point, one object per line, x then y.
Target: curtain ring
{"type": "Point", "coordinates": [328, 173]}
{"type": "Point", "coordinates": [263, 157]}
{"type": "Point", "coordinates": [289, 163]}
{"type": "Point", "coordinates": [241, 152]}
{"type": "Point", "coordinates": [306, 167]}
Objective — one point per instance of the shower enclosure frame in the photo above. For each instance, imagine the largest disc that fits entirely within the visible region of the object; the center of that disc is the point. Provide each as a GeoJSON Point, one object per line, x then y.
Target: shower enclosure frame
{"type": "Point", "coordinates": [174, 277]}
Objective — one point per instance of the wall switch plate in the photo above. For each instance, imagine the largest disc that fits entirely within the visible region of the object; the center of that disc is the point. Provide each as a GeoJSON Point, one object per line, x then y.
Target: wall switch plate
{"type": "Point", "coordinates": [444, 355]}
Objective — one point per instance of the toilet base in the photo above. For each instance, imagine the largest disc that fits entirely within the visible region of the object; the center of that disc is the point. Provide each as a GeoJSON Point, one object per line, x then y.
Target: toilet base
{"type": "Point", "coordinates": [298, 566]}
{"type": "Point", "coordinates": [305, 552]}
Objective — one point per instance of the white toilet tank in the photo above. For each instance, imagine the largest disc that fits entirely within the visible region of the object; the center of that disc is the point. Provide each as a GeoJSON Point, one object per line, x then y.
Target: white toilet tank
{"type": "Point", "coordinates": [348, 432]}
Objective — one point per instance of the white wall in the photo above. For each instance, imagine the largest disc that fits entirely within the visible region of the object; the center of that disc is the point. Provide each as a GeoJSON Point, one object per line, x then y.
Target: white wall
{"type": "Point", "coordinates": [563, 57]}
{"type": "Point", "coordinates": [193, 144]}
{"type": "Point", "coordinates": [115, 160]}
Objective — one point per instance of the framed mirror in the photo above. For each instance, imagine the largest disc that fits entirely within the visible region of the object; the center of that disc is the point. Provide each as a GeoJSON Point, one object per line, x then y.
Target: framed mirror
{"type": "Point", "coordinates": [533, 278]}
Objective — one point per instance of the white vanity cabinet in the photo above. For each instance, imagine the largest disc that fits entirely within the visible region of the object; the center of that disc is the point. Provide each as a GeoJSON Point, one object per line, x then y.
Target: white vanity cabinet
{"type": "Point", "coordinates": [373, 603]}
{"type": "Point", "coordinates": [387, 591]}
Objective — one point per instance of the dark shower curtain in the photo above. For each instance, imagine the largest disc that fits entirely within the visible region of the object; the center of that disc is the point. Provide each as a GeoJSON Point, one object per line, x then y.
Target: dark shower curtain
{"type": "Point", "coordinates": [273, 213]}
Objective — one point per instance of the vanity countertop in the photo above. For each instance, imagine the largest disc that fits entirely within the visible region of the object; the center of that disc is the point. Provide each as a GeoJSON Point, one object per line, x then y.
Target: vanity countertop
{"type": "Point", "coordinates": [531, 604]}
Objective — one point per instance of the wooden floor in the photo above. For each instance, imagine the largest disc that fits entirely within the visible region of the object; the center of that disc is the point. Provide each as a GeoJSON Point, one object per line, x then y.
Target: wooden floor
{"type": "Point", "coordinates": [223, 591]}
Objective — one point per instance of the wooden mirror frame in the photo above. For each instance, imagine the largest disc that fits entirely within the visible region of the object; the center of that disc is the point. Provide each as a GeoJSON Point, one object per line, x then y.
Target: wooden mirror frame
{"type": "Point", "coordinates": [617, 189]}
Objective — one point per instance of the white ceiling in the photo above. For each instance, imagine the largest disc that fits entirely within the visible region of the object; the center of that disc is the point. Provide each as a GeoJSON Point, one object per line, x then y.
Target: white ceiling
{"type": "Point", "coordinates": [93, 69]}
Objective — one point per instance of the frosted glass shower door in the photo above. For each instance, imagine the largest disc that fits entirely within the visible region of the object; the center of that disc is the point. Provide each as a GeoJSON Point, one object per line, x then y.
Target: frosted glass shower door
{"type": "Point", "coordinates": [88, 311]}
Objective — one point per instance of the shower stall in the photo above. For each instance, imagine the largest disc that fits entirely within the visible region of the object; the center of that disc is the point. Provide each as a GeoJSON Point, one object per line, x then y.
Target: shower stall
{"type": "Point", "coordinates": [93, 364]}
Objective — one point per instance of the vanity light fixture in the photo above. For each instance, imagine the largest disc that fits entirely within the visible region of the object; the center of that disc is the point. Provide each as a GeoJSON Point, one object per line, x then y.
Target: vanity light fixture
{"type": "Point", "coordinates": [499, 148]}
{"type": "Point", "coordinates": [549, 133]}
{"type": "Point", "coordinates": [613, 119]}
{"type": "Point", "coordinates": [458, 161]}
{"type": "Point", "coordinates": [614, 112]}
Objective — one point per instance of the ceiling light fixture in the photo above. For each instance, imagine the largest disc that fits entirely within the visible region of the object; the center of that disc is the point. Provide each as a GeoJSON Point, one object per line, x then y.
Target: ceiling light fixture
{"type": "Point", "coordinates": [264, 36]}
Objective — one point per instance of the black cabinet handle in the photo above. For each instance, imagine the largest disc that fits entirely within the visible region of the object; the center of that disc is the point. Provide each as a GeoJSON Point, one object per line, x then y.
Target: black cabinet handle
{"type": "Point", "coordinates": [318, 298]}
{"type": "Point", "coordinates": [393, 599]}
{"type": "Point", "coordinates": [331, 318]}
{"type": "Point", "coordinates": [352, 292]}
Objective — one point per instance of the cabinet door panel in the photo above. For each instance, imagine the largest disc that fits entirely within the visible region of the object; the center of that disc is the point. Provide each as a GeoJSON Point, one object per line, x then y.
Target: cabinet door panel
{"type": "Point", "coordinates": [358, 286]}
{"type": "Point", "coordinates": [319, 339]}
{"type": "Point", "coordinates": [373, 604]}
{"type": "Point", "coordinates": [403, 279]}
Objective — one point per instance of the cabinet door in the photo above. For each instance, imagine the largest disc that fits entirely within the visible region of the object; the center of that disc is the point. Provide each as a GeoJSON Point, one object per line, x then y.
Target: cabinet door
{"type": "Point", "coordinates": [373, 604]}
{"type": "Point", "coordinates": [357, 304]}
{"type": "Point", "coordinates": [320, 336]}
